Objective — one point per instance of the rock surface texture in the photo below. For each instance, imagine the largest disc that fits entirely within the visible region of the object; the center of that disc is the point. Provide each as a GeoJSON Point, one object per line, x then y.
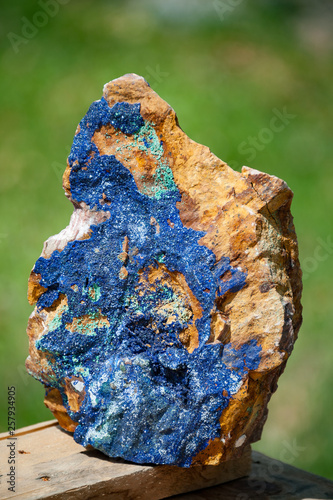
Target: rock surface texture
{"type": "Point", "coordinates": [167, 309]}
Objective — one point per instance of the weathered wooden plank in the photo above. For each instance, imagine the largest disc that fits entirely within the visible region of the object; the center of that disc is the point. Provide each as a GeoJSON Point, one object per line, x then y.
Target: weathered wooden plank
{"type": "Point", "coordinates": [50, 465]}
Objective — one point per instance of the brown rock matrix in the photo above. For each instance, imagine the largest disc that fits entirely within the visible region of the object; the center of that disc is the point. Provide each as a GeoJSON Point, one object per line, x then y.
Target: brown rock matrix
{"type": "Point", "coordinates": [166, 311]}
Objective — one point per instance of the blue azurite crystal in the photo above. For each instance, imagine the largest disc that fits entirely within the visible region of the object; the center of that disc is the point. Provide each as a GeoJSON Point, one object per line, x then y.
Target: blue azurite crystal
{"type": "Point", "coordinates": [148, 398]}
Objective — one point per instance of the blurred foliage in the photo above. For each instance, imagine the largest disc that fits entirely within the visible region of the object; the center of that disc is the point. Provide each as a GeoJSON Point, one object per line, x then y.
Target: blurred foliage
{"type": "Point", "coordinates": [225, 70]}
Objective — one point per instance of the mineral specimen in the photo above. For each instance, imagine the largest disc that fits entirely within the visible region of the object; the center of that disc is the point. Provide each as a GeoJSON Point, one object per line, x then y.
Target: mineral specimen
{"type": "Point", "coordinates": [167, 309]}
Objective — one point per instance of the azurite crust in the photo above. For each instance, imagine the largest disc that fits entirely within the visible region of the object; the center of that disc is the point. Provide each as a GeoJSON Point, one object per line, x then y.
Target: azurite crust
{"type": "Point", "coordinates": [167, 309]}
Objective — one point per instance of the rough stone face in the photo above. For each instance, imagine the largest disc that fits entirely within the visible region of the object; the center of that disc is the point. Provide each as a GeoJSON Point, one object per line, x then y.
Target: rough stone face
{"type": "Point", "coordinates": [167, 309]}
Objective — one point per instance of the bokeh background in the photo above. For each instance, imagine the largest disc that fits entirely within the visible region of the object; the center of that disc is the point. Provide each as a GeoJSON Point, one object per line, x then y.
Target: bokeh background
{"type": "Point", "coordinates": [227, 67]}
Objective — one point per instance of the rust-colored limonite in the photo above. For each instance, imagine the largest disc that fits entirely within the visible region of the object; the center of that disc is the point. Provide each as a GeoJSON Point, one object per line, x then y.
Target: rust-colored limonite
{"type": "Point", "coordinates": [167, 309]}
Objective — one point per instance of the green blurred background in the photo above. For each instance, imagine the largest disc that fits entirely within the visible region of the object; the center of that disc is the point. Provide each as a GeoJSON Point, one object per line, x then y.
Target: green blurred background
{"type": "Point", "coordinates": [224, 66]}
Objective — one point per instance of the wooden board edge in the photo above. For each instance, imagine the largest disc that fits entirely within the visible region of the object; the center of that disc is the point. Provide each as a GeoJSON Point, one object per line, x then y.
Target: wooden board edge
{"type": "Point", "coordinates": [29, 429]}
{"type": "Point", "coordinates": [155, 484]}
